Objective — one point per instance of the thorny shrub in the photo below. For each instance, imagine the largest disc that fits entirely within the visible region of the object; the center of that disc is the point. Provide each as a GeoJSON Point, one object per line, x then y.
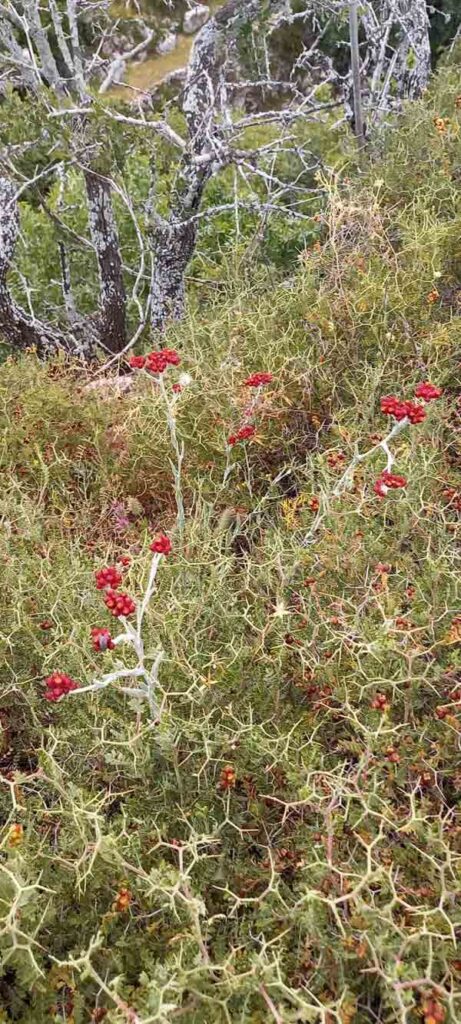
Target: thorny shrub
{"type": "Point", "coordinates": [261, 825]}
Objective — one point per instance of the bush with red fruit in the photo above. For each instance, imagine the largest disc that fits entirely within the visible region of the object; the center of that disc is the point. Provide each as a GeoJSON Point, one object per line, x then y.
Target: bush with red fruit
{"type": "Point", "coordinates": [156, 362]}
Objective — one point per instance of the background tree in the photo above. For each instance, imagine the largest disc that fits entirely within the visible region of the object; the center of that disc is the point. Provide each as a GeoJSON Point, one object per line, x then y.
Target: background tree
{"type": "Point", "coordinates": [45, 54]}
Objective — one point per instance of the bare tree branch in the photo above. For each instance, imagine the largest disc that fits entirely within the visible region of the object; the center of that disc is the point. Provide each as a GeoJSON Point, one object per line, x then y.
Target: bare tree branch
{"type": "Point", "coordinates": [391, 61]}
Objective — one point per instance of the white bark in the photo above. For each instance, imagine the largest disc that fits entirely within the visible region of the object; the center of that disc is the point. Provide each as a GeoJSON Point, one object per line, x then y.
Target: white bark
{"type": "Point", "coordinates": [17, 327]}
{"type": "Point", "coordinates": [207, 150]}
{"type": "Point", "coordinates": [398, 54]}
{"type": "Point", "coordinates": [40, 38]}
{"type": "Point", "coordinates": [28, 18]}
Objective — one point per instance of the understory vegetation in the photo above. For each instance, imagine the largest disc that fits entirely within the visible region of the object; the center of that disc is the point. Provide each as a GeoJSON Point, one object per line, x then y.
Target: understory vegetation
{"type": "Point", "coordinates": [281, 842]}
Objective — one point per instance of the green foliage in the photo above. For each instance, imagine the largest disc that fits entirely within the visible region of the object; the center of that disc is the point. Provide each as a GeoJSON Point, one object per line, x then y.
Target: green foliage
{"type": "Point", "coordinates": [321, 887]}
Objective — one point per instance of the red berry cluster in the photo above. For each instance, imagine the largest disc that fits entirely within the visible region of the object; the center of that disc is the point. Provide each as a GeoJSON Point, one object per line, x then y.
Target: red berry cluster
{"type": "Point", "coordinates": [119, 604]}
{"type": "Point", "coordinates": [57, 685]}
{"type": "Point", "coordinates": [388, 481]}
{"type": "Point", "coordinates": [156, 362]}
{"type": "Point", "coordinates": [380, 702]}
{"type": "Point", "coordinates": [101, 639]}
{"type": "Point", "coordinates": [242, 435]}
{"type": "Point", "coordinates": [383, 568]}
{"type": "Point", "coordinates": [258, 380]}
{"type": "Point", "coordinates": [432, 1011]}
{"type": "Point", "coordinates": [335, 459]}
{"type": "Point", "coordinates": [415, 413]}
{"type": "Point", "coordinates": [171, 356]}
{"type": "Point", "coordinates": [393, 406]}
{"type": "Point", "coordinates": [247, 429]}
{"type": "Point", "coordinates": [453, 497]}
{"type": "Point", "coordinates": [161, 545]}
{"type": "Point", "coordinates": [319, 696]}
{"type": "Point", "coordinates": [227, 778]}
{"type": "Point", "coordinates": [427, 391]}
{"type": "Point", "coordinates": [108, 577]}
{"type": "Point", "coordinates": [402, 409]}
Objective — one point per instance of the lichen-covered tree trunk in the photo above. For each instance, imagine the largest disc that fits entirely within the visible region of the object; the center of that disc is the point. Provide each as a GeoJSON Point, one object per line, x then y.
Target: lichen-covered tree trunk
{"type": "Point", "coordinates": [21, 331]}
{"type": "Point", "coordinates": [174, 248]}
{"type": "Point", "coordinates": [104, 235]}
{"type": "Point", "coordinates": [17, 327]}
{"type": "Point", "coordinates": [207, 151]}
{"type": "Point", "coordinates": [172, 254]}
{"type": "Point", "coordinates": [415, 60]}
{"type": "Point", "coordinates": [173, 242]}
{"type": "Point", "coordinates": [174, 237]}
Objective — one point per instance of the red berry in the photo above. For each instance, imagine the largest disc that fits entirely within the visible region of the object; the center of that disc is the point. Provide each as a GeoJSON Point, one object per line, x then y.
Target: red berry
{"type": "Point", "coordinates": [383, 567]}
{"type": "Point", "coordinates": [171, 356]}
{"type": "Point", "coordinates": [415, 413]}
{"type": "Point", "coordinates": [156, 362]}
{"type": "Point", "coordinates": [380, 702]}
{"type": "Point", "coordinates": [161, 545]}
{"type": "Point", "coordinates": [257, 380]}
{"type": "Point", "coordinates": [245, 432]}
{"type": "Point", "coordinates": [388, 480]}
{"type": "Point", "coordinates": [428, 391]}
{"type": "Point", "coordinates": [227, 778]}
{"type": "Point", "coordinates": [101, 639]}
{"type": "Point", "coordinates": [108, 577]}
{"type": "Point", "coordinates": [119, 604]}
{"type": "Point", "coordinates": [393, 480]}
{"type": "Point", "coordinates": [399, 409]}
{"type": "Point", "coordinates": [137, 362]}
{"type": "Point", "coordinates": [57, 685]}
{"type": "Point", "coordinates": [393, 406]}
{"type": "Point", "coordinates": [380, 488]}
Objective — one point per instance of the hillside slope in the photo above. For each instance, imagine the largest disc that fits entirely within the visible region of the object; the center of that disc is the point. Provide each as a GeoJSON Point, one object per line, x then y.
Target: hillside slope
{"type": "Point", "coordinates": [279, 842]}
